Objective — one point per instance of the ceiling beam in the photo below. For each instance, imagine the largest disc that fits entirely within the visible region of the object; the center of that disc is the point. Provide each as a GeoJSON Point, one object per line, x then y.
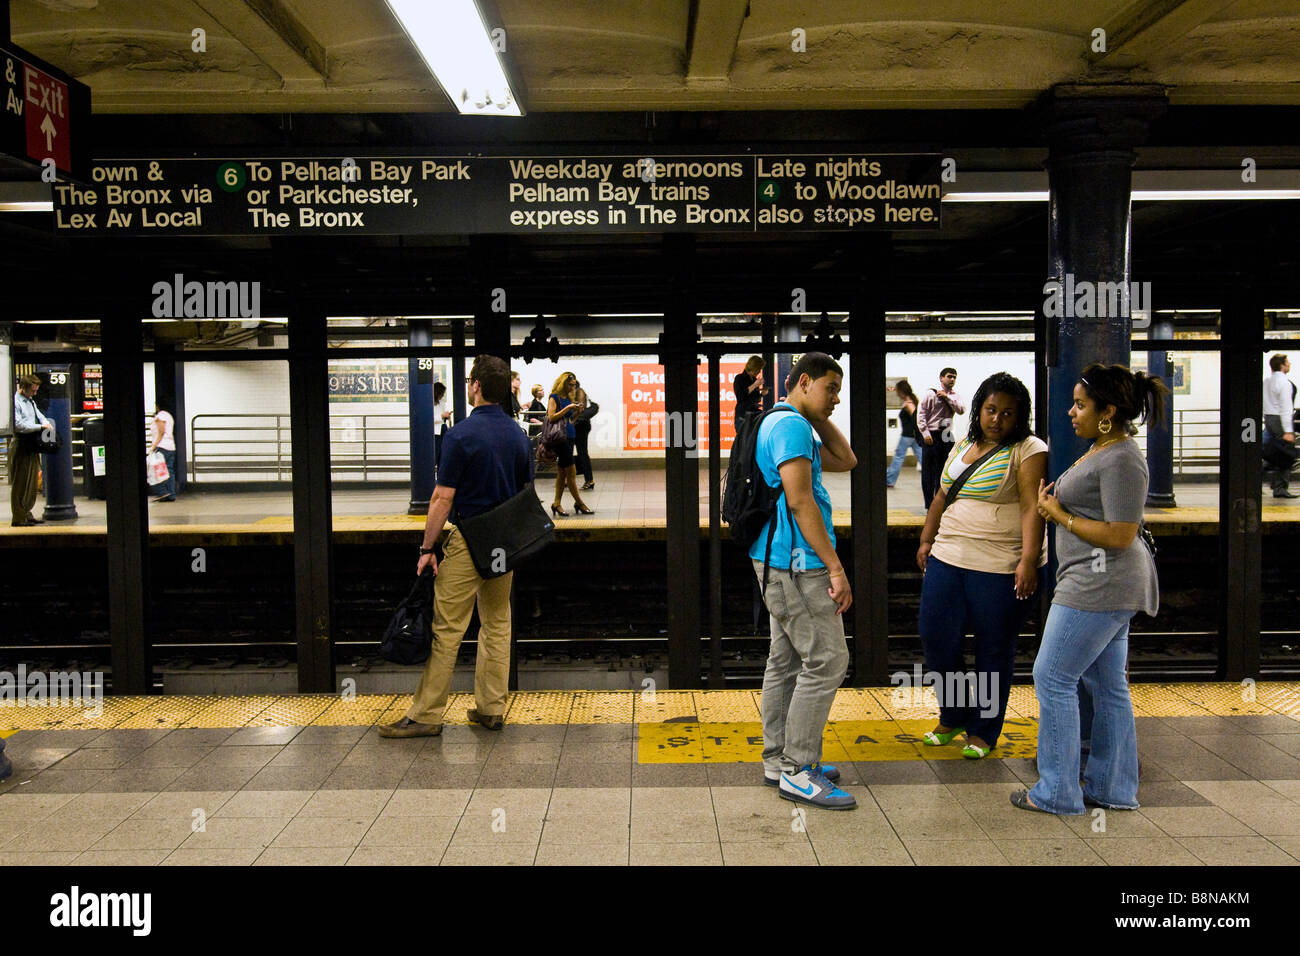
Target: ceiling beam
{"type": "Point", "coordinates": [1144, 27]}
{"type": "Point", "coordinates": [277, 37]}
{"type": "Point", "coordinates": [714, 35]}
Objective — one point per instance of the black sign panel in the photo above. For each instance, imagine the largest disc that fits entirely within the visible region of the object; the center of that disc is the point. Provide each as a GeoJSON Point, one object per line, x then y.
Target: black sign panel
{"type": "Point", "coordinates": [450, 195]}
{"type": "Point", "coordinates": [46, 113]}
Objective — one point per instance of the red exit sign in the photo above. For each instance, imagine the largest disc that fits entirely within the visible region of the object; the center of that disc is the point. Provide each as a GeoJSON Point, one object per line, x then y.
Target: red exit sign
{"type": "Point", "coordinates": [43, 110]}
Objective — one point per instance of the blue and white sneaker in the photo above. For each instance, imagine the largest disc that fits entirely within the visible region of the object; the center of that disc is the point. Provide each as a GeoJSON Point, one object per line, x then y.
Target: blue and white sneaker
{"type": "Point", "coordinates": [809, 785]}
{"type": "Point", "coordinates": [828, 770]}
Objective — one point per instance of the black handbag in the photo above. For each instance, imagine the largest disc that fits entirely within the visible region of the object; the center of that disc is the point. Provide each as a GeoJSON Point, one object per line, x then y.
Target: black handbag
{"type": "Point", "coordinates": [37, 442]}
{"type": "Point", "coordinates": [409, 637]}
{"type": "Point", "coordinates": [1279, 453]}
{"type": "Point", "coordinates": [504, 537]}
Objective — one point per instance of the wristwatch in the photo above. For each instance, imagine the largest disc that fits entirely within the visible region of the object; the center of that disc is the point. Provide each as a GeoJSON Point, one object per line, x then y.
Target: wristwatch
{"type": "Point", "coordinates": [426, 550]}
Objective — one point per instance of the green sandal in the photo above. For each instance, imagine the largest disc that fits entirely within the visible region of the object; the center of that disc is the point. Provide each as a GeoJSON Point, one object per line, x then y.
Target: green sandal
{"type": "Point", "coordinates": [972, 752]}
{"type": "Point", "coordinates": [941, 740]}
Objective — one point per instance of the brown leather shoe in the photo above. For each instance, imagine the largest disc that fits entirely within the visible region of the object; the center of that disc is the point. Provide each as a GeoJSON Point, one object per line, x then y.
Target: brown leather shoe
{"type": "Point", "coordinates": [490, 721]}
{"type": "Point", "coordinates": [409, 728]}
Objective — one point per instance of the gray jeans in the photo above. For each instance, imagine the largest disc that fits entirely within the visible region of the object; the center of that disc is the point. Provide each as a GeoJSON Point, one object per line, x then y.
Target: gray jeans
{"type": "Point", "coordinates": [806, 663]}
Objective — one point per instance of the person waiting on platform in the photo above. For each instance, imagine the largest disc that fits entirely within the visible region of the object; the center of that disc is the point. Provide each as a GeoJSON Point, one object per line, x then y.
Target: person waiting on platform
{"type": "Point", "coordinates": [164, 440]}
{"type": "Point", "coordinates": [1106, 574]}
{"type": "Point", "coordinates": [748, 388]}
{"type": "Point", "coordinates": [515, 405]}
{"type": "Point", "coordinates": [486, 463]}
{"type": "Point", "coordinates": [1279, 422]}
{"type": "Point", "coordinates": [806, 589]}
{"type": "Point", "coordinates": [24, 458]}
{"type": "Point", "coordinates": [535, 415]}
{"type": "Point", "coordinates": [441, 416]}
{"type": "Point", "coordinates": [934, 424]}
{"type": "Point", "coordinates": [563, 405]}
{"type": "Point", "coordinates": [907, 439]}
{"type": "Point", "coordinates": [982, 553]}
{"type": "Point", "coordinates": [582, 437]}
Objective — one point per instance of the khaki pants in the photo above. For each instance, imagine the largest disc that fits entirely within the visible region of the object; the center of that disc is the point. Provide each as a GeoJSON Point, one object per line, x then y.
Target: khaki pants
{"type": "Point", "coordinates": [458, 587]}
{"type": "Point", "coordinates": [24, 471]}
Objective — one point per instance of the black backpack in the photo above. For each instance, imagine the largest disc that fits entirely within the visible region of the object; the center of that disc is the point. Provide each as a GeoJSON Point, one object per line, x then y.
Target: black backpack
{"type": "Point", "coordinates": [748, 501]}
{"type": "Point", "coordinates": [409, 637]}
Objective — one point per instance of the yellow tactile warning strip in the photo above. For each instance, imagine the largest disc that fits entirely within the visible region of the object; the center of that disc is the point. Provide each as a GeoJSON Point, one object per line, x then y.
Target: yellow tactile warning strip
{"type": "Point", "coordinates": [675, 726]}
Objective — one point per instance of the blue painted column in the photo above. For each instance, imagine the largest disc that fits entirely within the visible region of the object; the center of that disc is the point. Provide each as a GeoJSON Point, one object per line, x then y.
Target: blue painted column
{"type": "Point", "coordinates": [420, 397]}
{"type": "Point", "coordinates": [1090, 157]}
{"type": "Point", "coordinates": [787, 331]}
{"type": "Point", "coordinates": [56, 469]}
{"type": "Point", "coordinates": [1160, 441]}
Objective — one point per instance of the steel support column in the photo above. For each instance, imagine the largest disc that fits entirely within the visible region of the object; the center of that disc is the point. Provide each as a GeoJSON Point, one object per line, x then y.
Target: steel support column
{"type": "Point", "coordinates": [313, 558]}
{"type": "Point", "coordinates": [1090, 158]}
{"type": "Point", "coordinates": [681, 462]}
{"type": "Point", "coordinates": [1240, 474]}
{"type": "Point", "coordinates": [716, 678]}
{"type": "Point", "coordinates": [421, 426]}
{"type": "Point", "coordinates": [122, 339]}
{"type": "Point", "coordinates": [867, 436]}
{"type": "Point", "coordinates": [1160, 440]}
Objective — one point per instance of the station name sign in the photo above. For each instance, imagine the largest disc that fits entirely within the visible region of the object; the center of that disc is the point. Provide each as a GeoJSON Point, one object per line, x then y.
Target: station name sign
{"type": "Point", "coordinates": [450, 195]}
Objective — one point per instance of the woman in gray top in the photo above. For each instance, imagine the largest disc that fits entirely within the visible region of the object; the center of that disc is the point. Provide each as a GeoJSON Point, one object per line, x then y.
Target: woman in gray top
{"type": "Point", "coordinates": [1106, 574]}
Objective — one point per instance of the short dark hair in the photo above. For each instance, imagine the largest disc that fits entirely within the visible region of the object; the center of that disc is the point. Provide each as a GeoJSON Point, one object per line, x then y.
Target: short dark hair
{"type": "Point", "coordinates": [1003, 383]}
{"type": "Point", "coordinates": [28, 380]}
{"type": "Point", "coordinates": [814, 365]}
{"type": "Point", "coordinates": [1137, 397]}
{"type": "Point", "coordinates": [493, 377]}
{"type": "Point", "coordinates": [1277, 361]}
{"type": "Point", "coordinates": [439, 389]}
{"type": "Point", "coordinates": [948, 371]}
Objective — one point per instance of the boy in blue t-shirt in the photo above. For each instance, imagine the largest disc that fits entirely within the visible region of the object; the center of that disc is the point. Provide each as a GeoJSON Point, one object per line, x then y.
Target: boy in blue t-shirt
{"type": "Point", "coordinates": [807, 589]}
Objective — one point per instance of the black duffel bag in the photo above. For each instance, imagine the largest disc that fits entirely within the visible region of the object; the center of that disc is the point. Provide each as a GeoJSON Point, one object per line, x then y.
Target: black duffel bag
{"type": "Point", "coordinates": [409, 637]}
{"type": "Point", "coordinates": [46, 441]}
{"type": "Point", "coordinates": [504, 537]}
{"type": "Point", "coordinates": [1279, 453]}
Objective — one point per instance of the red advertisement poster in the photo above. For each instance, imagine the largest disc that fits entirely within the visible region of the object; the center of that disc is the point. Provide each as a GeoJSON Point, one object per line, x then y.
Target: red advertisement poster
{"type": "Point", "coordinates": [645, 425]}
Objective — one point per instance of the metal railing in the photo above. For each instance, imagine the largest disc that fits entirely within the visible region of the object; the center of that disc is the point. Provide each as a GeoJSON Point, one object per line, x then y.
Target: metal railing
{"type": "Point", "coordinates": [360, 445]}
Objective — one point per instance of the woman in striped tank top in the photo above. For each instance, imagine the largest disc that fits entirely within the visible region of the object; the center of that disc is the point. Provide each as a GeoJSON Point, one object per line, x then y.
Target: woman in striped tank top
{"type": "Point", "coordinates": [982, 552]}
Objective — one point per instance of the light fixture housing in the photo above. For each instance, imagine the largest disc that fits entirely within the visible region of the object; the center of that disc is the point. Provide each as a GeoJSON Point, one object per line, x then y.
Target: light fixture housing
{"type": "Point", "coordinates": [453, 39]}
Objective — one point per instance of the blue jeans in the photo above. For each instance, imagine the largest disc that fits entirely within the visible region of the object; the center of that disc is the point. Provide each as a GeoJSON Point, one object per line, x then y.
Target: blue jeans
{"type": "Point", "coordinates": [1092, 647]}
{"type": "Point", "coordinates": [896, 466]}
{"type": "Point", "coordinates": [954, 601]}
{"type": "Point", "coordinates": [168, 488]}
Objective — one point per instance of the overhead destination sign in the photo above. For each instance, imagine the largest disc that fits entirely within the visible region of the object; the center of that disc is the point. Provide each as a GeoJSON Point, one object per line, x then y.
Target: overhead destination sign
{"type": "Point", "coordinates": [451, 195]}
{"type": "Point", "coordinates": [42, 108]}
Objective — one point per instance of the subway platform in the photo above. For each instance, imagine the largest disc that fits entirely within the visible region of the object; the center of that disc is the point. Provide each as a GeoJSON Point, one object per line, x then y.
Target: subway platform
{"type": "Point", "coordinates": [629, 503]}
{"type": "Point", "coordinates": [618, 778]}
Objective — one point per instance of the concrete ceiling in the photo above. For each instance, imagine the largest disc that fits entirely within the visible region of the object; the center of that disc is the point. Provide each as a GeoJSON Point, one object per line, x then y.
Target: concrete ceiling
{"type": "Point", "coordinates": [351, 56]}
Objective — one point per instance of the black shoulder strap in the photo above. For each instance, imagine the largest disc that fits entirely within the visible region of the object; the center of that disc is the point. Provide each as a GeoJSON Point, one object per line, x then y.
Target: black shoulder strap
{"type": "Point", "coordinates": [951, 494]}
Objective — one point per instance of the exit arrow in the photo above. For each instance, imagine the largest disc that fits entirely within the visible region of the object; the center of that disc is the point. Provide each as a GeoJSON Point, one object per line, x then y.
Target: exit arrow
{"type": "Point", "coordinates": [47, 127]}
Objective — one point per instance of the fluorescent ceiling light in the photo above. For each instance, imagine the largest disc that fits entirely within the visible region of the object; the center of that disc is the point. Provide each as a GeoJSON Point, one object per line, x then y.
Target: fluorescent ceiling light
{"type": "Point", "coordinates": [453, 40]}
{"type": "Point", "coordinates": [32, 206]}
{"type": "Point", "coordinates": [1149, 185]}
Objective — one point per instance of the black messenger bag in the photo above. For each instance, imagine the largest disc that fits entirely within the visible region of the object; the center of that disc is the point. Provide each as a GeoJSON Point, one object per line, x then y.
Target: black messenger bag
{"type": "Point", "coordinates": [507, 535]}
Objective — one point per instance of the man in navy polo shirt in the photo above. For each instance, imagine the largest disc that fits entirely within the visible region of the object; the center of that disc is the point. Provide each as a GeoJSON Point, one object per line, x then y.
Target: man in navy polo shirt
{"type": "Point", "coordinates": [486, 460]}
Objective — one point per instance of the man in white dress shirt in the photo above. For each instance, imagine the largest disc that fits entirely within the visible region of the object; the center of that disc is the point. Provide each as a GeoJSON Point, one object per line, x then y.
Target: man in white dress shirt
{"type": "Point", "coordinates": [1279, 416]}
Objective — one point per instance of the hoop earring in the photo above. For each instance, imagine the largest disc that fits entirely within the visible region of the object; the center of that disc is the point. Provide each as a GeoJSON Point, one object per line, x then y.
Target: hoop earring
{"type": "Point", "coordinates": [1104, 426]}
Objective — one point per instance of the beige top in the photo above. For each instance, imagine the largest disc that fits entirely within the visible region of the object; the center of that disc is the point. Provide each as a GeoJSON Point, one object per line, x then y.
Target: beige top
{"type": "Point", "coordinates": [981, 530]}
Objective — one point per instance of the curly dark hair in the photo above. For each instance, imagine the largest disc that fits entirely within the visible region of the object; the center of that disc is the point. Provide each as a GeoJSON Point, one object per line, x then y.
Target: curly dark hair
{"type": "Point", "coordinates": [1006, 384]}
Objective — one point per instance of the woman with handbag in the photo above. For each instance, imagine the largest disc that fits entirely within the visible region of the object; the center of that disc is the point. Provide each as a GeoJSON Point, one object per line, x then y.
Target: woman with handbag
{"type": "Point", "coordinates": [582, 433]}
{"type": "Point", "coordinates": [563, 407]}
{"type": "Point", "coordinates": [982, 555]}
{"type": "Point", "coordinates": [1106, 574]}
{"type": "Point", "coordinates": [25, 452]}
